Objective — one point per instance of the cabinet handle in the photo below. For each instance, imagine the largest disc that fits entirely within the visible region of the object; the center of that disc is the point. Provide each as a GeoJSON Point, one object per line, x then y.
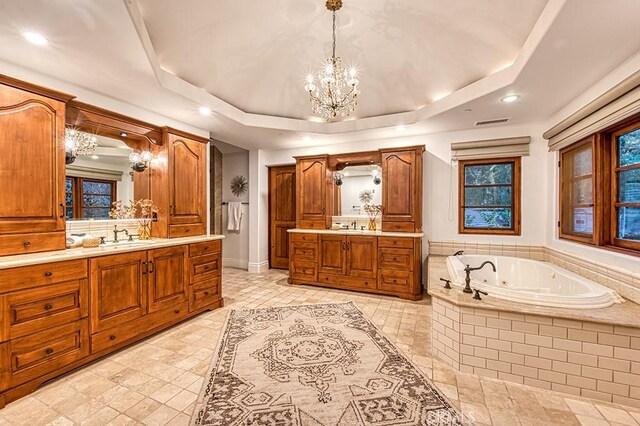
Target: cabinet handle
{"type": "Point", "coordinates": [49, 351]}
{"type": "Point", "coordinates": [395, 259]}
{"type": "Point", "coordinates": [144, 268]}
{"type": "Point", "coordinates": [26, 244]}
{"type": "Point", "coordinates": [177, 311]}
{"type": "Point", "coordinates": [344, 245]}
{"type": "Point", "coordinates": [172, 211]}
{"type": "Point", "coordinates": [206, 293]}
{"type": "Point", "coordinates": [152, 270]}
{"type": "Point", "coordinates": [48, 274]}
{"type": "Point", "coordinates": [48, 306]}
{"type": "Point", "coordinates": [112, 337]}
{"type": "Point", "coordinates": [64, 211]}
{"type": "Point", "coordinates": [206, 268]}
{"type": "Point", "coordinates": [349, 245]}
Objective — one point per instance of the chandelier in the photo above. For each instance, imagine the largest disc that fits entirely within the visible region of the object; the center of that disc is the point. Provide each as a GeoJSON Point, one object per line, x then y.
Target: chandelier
{"type": "Point", "coordinates": [78, 142]}
{"type": "Point", "coordinates": [337, 91]}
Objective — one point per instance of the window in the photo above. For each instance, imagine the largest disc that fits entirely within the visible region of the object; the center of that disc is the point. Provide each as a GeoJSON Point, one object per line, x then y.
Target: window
{"type": "Point", "coordinates": [600, 189]}
{"type": "Point", "coordinates": [489, 196]}
{"type": "Point", "coordinates": [89, 198]}
{"type": "Point", "coordinates": [577, 206]}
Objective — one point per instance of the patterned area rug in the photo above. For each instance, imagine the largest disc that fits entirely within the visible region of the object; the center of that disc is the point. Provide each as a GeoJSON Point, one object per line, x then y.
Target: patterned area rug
{"type": "Point", "coordinates": [315, 365]}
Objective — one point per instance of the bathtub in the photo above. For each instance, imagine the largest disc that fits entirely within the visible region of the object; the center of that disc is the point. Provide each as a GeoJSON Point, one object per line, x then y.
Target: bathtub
{"type": "Point", "coordinates": [532, 282]}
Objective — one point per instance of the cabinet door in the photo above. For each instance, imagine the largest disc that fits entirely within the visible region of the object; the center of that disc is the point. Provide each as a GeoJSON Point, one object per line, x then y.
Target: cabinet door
{"type": "Point", "coordinates": [187, 181]}
{"type": "Point", "coordinates": [31, 164]}
{"type": "Point", "coordinates": [118, 289]}
{"type": "Point", "coordinates": [401, 190]}
{"type": "Point", "coordinates": [168, 277]}
{"type": "Point", "coordinates": [333, 258]}
{"type": "Point", "coordinates": [362, 259]}
{"type": "Point", "coordinates": [311, 190]}
{"type": "Point", "coordinates": [282, 213]}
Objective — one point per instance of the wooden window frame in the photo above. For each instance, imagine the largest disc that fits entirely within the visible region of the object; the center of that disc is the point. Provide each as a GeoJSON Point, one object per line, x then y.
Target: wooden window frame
{"type": "Point", "coordinates": [77, 184]}
{"type": "Point", "coordinates": [605, 168]}
{"type": "Point", "coordinates": [515, 197]}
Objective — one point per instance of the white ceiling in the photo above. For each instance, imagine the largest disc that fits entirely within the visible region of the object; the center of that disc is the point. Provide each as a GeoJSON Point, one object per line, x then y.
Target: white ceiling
{"type": "Point", "coordinates": [246, 59]}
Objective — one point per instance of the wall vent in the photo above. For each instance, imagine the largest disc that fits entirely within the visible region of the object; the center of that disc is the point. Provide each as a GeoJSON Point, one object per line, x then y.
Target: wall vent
{"type": "Point", "coordinates": [494, 121]}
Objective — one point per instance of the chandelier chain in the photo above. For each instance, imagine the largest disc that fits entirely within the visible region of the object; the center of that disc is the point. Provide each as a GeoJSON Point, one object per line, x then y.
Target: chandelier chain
{"type": "Point", "coordinates": [334, 35]}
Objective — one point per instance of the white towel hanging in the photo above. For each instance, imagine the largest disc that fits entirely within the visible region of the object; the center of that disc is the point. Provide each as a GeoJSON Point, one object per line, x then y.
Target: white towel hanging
{"type": "Point", "coordinates": [234, 213]}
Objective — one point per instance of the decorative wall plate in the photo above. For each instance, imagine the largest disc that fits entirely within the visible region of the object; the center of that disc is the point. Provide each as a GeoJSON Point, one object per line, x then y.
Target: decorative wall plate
{"type": "Point", "coordinates": [239, 185]}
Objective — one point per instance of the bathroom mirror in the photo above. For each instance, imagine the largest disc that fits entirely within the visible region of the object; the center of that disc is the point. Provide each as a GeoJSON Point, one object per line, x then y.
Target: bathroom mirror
{"type": "Point", "coordinates": [356, 186]}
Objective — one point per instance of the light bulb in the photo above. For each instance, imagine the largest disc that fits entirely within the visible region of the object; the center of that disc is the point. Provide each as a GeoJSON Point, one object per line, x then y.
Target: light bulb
{"type": "Point", "coordinates": [134, 157]}
{"type": "Point", "coordinates": [146, 156]}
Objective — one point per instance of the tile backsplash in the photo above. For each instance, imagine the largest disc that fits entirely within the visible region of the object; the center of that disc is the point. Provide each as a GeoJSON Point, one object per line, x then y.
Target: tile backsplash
{"type": "Point", "coordinates": [102, 228]}
{"type": "Point", "coordinates": [625, 282]}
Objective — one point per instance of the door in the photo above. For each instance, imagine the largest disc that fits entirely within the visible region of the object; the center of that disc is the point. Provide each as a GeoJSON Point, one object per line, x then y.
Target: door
{"type": "Point", "coordinates": [401, 190]}
{"type": "Point", "coordinates": [362, 256]}
{"type": "Point", "coordinates": [32, 163]}
{"type": "Point", "coordinates": [333, 258]}
{"type": "Point", "coordinates": [282, 213]}
{"type": "Point", "coordinates": [168, 277]}
{"type": "Point", "coordinates": [187, 181]}
{"type": "Point", "coordinates": [311, 190]}
{"type": "Point", "coordinates": [118, 286]}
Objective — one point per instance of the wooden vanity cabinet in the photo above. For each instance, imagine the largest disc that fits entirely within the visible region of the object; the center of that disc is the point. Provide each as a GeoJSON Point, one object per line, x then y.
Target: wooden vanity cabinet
{"type": "Point", "coordinates": [32, 169]}
{"type": "Point", "coordinates": [402, 189]}
{"type": "Point", "coordinates": [178, 185]}
{"type": "Point", "coordinates": [313, 181]}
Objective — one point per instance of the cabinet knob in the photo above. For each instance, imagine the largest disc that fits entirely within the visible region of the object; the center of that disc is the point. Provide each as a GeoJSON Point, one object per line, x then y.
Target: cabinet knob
{"type": "Point", "coordinates": [49, 351]}
{"type": "Point", "coordinates": [206, 293]}
{"type": "Point", "coordinates": [112, 337]}
{"type": "Point", "coordinates": [177, 311]}
{"type": "Point", "coordinates": [395, 259]}
{"type": "Point", "coordinates": [395, 281]}
{"type": "Point", "coordinates": [26, 244]}
{"type": "Point", "coordinates": [48, 306]}
{"type": "Point", "coordinates": [206, 268]}
{"type": "Point", "coordinates": [48, 274]}
{"type": "Point", "coordinates": [187, 230]}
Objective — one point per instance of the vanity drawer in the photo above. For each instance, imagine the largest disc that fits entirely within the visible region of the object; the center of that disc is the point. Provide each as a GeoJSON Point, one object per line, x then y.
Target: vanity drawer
{"type": "Point", "coordinates": [390, 280]}
{"type": "Point", "coordinates": [395, 242]}
{"type": "Point", "coordinates": [177, 231]}
{"type": "Point", "coordinates": [41, 353]}
{"type": "Point", "coordinates": [30, 311]}
{"type": "Point", "coordinates": [347, 282]}
{"type": "Point", "coordinates": [392, 258]}
{"type": "Point", "coordinates": [203, 268]}
{"type": "Point", "coordinates": [304, 238]}
{"type": "Point", "coordinates": [207, 247]}
{"type": "Point", "coordinates": [32, 243]}
{"type": "Point", "coordinates": [304, 271]}
{"type": "Point", "coordinates": [203, 294]}
{"type": "Point", "coordinates": [38, 275]}
{"type": "Point", "coordinates": [109, 339]}
{"type": "Point", "coordinates": [304, 252]}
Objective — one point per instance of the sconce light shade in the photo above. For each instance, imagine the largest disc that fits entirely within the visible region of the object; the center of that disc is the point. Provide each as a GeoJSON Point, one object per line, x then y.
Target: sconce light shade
{"type": "Point", "coordinates": [377, 180]}
{"type": "Point", "coordinates": [140, 161]}
{"type": "Point", "coordinates": [69, 157]}
{"type": "Point", "coordinates": [338, 178]}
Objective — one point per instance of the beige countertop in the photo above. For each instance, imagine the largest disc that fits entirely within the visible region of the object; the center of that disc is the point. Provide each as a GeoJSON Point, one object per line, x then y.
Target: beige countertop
{"type": "Point", "coordinates": [623, 314]}
{"type": "Point", "coordinates": [80, 253]}
{"type": "Point", "coordinates": [357, 232]}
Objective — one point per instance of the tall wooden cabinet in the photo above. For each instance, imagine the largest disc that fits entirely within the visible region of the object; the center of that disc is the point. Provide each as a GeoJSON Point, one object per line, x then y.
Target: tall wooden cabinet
{"type": "Point", "coordinates": [32, 120]}
{"type": "Point", "coordinates": [178, 185]}
{"type": "Point", "coordinates": [402, 189]}
{"type": "Point", "coordinates": [312, 181]}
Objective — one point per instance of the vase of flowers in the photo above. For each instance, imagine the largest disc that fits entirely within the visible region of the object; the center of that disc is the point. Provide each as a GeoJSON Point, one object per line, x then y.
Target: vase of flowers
{"type": "Point", "coordinates": [141, 210]}
{"type": "Point", "coordinates": [372, 210]}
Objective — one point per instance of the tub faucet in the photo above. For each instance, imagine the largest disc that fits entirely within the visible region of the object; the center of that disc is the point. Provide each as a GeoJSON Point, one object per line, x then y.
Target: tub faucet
{"type": "Point", "coordinates": [459, 253]}
{"type": "Point", "coordinates": [468, 269]}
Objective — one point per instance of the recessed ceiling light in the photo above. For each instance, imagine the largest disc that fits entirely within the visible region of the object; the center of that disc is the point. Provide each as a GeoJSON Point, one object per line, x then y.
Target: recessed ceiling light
{"type": "Point", "coordinates": [510, 98]}
{"type": "Point", "coordinates": [94, 157]}
{"type": "Point", "coordinates": [401, 128]}
{"type": "Point", "coordinates": [35, 38]}
{"type": "Point", "coordinates": [307, 139]}
{"type": "Point", "coordinates": [124, 134]}
{"type": "Point", "coordinates": [204, 110]}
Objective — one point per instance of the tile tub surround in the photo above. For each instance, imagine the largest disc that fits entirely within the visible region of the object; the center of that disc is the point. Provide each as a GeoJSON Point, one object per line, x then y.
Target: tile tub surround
{"type": "Point", "coordinates": [7, 262]}
{"type": "Point", "coordinates": [539, 347]}
{"type": "Point", "coordinates": [624, 281]}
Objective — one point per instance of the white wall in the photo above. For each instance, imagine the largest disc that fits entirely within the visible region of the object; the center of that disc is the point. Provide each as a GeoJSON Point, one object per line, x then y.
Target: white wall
{"type": "Point", "coordinates": [236, 244]}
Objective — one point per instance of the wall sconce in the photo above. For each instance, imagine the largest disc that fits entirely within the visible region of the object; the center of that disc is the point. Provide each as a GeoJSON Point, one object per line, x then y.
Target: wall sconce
{"type": "Point", "coordinates": [338, 177]}
{"type": "Point", "coordinates": [140, 161]}
{"type": "Point", "coordinates": [376, 174]}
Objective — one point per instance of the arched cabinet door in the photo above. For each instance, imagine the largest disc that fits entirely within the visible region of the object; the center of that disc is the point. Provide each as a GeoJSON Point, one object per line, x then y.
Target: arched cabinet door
{"type": "Point", "coordinates": [31, 172]}
{"type": "Point", "coordinates": [402, 189]}
{"type": "Point", "coordinates": [311, 192]}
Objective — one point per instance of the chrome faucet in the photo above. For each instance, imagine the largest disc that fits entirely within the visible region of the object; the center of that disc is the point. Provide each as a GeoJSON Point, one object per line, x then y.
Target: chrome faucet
{"type": "Point", "coordinates": [116, 231]}
{"type": "Point", "coordinates": [468, 269]}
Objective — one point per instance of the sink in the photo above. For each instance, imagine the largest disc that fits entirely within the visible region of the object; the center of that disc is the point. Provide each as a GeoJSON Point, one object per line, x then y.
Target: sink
{"type": "Point", "coordinates": [110, 245]}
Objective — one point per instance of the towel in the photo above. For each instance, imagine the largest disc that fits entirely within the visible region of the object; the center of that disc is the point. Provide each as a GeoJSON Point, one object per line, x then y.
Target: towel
{"type": "Point", "coordinates": [234, 213]}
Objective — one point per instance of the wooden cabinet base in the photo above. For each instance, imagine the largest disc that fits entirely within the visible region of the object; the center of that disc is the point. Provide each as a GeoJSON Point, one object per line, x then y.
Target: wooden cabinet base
{"type": "Point", "coordinates": [343, 286]}
{"type": "Point", "coordinates": [153, 324]}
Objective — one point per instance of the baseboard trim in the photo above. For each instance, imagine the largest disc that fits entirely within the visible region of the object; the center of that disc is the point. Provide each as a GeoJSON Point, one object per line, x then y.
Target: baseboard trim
{"type": "Point", "coordinates": [258, 267]}
{"type": "Point", "coordinates": [235, 263]}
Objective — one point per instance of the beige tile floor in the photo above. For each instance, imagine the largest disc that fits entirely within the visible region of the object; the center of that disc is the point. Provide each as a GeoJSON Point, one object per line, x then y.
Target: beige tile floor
{"type": "Point", "coordinates": [156, 381]}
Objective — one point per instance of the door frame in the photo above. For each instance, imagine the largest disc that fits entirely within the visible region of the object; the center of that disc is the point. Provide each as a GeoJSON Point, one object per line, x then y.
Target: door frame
{"type": "Point", "coordinates": [270, 203]}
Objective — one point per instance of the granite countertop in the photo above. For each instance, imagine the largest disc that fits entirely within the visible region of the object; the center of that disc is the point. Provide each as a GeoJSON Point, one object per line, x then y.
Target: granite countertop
{"type": "Point", "coordinates": [357, 232]}
{"type": "Point", "coordinates": [81, 253]}
{"type": "Point", "coordinates": [621, 314]}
